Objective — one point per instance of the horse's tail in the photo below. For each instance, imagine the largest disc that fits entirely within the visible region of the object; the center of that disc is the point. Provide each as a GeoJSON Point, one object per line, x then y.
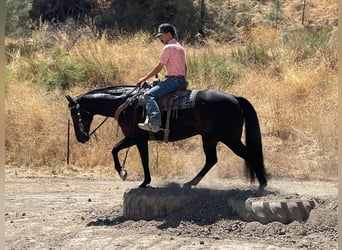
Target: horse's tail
{"type": "Point", "coordinates": [255, 159]}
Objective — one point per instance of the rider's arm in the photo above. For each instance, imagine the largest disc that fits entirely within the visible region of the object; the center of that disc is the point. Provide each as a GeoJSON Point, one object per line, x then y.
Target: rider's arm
{"type": "Point", "coordinates": [152, 73]}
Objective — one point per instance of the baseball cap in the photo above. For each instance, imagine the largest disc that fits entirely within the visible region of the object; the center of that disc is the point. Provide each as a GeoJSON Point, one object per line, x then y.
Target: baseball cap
{"type": "Point", "coordinates": [164, 28]}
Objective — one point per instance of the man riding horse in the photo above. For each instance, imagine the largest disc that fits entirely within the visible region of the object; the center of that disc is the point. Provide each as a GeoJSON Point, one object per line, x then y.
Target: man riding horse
{"type": "Point", "coordinates": [173, 58]}
{"type": "Point", "coordinates": [214, 115]}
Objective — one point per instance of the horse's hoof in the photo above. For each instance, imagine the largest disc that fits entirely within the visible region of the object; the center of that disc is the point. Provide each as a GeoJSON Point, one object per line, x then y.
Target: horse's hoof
{"type": "Point", "coordinates": [123, 174]}
{"type": "Point", "coordinates": [262, 187]}
{"type": "Point", "coordinates": [144, 186]}
{"type": "Point", "coordinates": [187, 185]}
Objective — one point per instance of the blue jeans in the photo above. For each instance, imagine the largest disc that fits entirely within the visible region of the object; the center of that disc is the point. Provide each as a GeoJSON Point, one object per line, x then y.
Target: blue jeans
{"type": "Point", "coordinates": [166, 86]}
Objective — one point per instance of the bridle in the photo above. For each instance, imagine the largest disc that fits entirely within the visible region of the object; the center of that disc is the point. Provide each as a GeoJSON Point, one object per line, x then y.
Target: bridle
{"type": "Point", "coordinates": [123, 105]}
{"type": "Point", "coordinates": [81, 126]}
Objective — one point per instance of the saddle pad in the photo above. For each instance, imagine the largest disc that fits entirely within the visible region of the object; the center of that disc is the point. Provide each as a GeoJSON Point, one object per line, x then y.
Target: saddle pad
{"type": "Point", "coordinates": [180, 99]}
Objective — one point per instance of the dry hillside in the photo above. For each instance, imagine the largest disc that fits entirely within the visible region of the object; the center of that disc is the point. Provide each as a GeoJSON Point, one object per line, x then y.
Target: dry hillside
{"type": "Point", "coordinates": [287, 70]}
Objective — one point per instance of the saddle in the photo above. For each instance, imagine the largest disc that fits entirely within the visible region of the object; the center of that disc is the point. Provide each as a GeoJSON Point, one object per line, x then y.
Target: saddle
{"type": "Point", "coordinates": [170, 103]}
{"type": "Point", "coordinates": [177, 100]}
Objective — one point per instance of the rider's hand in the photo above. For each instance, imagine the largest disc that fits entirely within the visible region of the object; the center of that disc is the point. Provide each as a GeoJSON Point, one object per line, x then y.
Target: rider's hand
{"type": "Point", "coordinates": [140, 82]}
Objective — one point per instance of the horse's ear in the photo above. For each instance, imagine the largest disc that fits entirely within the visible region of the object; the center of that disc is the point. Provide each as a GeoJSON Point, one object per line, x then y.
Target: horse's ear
{"type": "Point", "coordinates": [69, 98]}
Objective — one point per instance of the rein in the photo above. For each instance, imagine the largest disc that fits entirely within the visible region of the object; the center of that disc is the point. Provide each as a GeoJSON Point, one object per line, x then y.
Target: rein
{"type": "Point", "coordinates": [80, 121]}
{"type": "Point", "coordinates": [93, 132]}
{"type": "Point", "coordinates": [125, 103]}
{"type": "Point", "coordinates": [122, 106]}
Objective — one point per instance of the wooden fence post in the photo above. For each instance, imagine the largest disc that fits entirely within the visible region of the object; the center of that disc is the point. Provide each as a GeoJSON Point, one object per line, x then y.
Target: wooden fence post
{"type": "Point", "coordinates": [303, 14]}
{"type": "Point", "coordinates": [68, 143]}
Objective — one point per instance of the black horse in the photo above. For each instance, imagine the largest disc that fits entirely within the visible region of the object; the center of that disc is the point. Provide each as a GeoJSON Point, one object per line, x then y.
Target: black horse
{"type": "Point", "coordinates": [216, 116]}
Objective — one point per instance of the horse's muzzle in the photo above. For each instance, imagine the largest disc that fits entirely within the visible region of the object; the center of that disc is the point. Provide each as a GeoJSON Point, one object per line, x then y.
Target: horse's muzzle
{"type": "Point", "coordinates": [83, 138]}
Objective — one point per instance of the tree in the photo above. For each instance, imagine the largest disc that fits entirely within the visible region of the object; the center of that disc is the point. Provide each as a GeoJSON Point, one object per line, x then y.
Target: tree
{"type": "Point", "coordinates": [60, 10]}
{"type": "Point", "coordinates": [17, 16]}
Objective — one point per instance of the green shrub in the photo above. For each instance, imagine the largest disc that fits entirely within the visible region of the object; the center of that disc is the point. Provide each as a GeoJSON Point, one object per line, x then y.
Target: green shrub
{"type": "Point", "coordinates": [275, 16]}
{"type": "Point", "coordinates": [211, 67]}
{"type": "Point", "coordinates": [63, 71]}
{"type": "Point", "coordinates": [17, 17]}
{"type": "Point", "coordinates": [307, 43]}
{"type": "Point", "coordinates": [251, 54]}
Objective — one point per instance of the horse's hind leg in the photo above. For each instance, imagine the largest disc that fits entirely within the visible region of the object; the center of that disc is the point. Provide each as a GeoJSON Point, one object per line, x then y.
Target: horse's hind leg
{"type": "Point", "coordinates": [251, 165]}
{"type": "Point", "coordinates": [209, 147]}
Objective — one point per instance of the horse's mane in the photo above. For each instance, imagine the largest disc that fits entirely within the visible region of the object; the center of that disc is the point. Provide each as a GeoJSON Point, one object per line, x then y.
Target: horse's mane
{"type": "Point", "coordinates": [117, 90]}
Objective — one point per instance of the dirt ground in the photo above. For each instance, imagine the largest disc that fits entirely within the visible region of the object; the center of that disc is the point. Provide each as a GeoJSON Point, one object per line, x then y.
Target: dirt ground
{"type": "Point", "coordinates": [86, 213]}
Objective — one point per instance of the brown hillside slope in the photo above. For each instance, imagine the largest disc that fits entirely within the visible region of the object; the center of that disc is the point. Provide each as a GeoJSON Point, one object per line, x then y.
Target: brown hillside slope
{"type": "Point", "coordinates": [295, 95]}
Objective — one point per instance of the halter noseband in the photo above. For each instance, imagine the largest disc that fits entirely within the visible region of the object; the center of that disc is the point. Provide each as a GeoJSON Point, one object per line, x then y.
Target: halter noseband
{"type": "Point", "coordinates": [78, 108]}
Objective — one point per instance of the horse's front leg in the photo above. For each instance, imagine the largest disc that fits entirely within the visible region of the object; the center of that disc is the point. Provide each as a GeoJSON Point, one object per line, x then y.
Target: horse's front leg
{"type": "Point", "coordinates": [143, 150]}
{"type": "Point", "coordinates": [124, 143]}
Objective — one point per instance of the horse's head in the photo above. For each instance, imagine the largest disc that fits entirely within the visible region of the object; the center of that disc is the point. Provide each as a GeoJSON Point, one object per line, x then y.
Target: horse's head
{"type": "Point", "coordinates": [81, 119]}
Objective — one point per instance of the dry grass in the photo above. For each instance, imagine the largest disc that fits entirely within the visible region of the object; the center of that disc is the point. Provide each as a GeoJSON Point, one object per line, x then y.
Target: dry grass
{"type": "Point", "coordinates": [296, 103]}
